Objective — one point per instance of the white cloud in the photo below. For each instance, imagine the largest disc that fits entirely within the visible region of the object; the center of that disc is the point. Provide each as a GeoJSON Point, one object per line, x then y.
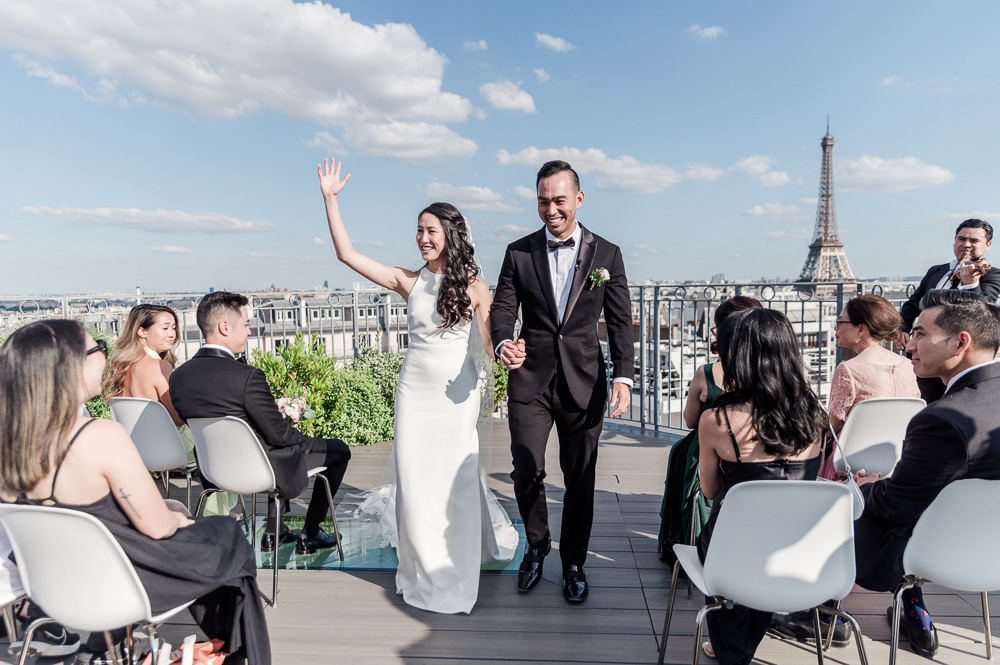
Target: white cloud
{"type": "Point", "coordinates": [889, 80]}
{"type": "Point", "coordinates": [408, 142]}
{"type": "Point", "coordinates": [170, 249]}
{"type": "Point", "coordinates": [557, 44]}
{"type": "Point", "coordinates": [777, 212]}
{"type": "Point", "coordinates": [542, 75]}
{"type": "Point", "coordinates": [509, 232]}
{"type": "Point", "coordinates": [702, 172]}
{"type": "Point", "coordinates": [754, 164]}
{"type": "Point", "coordinates": [706, 33]}
{"type": "Point", "coordinates": [526, 193]}
{"type": "Point", "coordinates": [506, 95]}
{"type": "Point", "coordinates": [871, 173]}
{"type": "Point", "coordinates": [309, 61]}
{"type": "Point", "coordinates": [809, 201]}
{"type": "Point", "coordinates": [623, 174]}
{"type": "Point", "coordinates": [317, 241]}
{"type": "Point", "coordinates": [482, 199]}
{"type": "Point", "coordinates": [955, 218]}
{"type": "Point", "coordinates": [156, 221]}
{"type": "Point", "coordinates": [5, 238]}
{"type": "Point", "coordinates": [475, 46]}
{"type": "Point", "coordinates": [774, 235]}
{"type": "Point", "coordinates": [774, 178]}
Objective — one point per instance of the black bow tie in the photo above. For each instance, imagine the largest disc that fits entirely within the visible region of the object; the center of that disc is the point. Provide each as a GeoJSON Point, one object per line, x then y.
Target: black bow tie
{"type": "Point", "coordinates": [556, 244]}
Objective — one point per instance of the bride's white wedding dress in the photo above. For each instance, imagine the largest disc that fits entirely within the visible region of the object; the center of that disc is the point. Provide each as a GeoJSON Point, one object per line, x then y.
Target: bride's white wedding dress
{"type": "Point", "coordinates": [446, 520]}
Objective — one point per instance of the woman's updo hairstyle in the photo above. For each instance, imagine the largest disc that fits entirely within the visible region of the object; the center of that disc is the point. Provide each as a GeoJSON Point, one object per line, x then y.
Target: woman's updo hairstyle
{"type": "Point", "coordinates": [878, 315]}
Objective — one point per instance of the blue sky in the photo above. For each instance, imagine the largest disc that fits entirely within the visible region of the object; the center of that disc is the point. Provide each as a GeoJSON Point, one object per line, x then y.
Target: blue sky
{"type": "Point", "coordinates": [173, 144]}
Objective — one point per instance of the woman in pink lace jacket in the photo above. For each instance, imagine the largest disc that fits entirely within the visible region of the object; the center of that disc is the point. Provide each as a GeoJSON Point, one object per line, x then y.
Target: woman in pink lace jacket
{"type": "Point", "coordinates": [875, 371]}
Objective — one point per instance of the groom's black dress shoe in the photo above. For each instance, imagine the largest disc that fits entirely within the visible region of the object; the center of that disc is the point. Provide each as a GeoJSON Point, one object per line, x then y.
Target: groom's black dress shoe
{"type": "Point", "coordinates": [923, 642]}
{"type": "Point", "coordinates": [529, 573]}
{"type": "Point", "coordinates": [575, 584]}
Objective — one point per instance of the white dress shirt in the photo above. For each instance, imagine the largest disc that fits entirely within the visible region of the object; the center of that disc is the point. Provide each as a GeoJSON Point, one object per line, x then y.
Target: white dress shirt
{"type": "Point", "coordinates": [562, 268]}
{"type": "Point", "coordinates": [964, 372]}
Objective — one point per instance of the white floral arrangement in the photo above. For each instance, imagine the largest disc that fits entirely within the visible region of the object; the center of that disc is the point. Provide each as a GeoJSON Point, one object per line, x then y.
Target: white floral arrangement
{"type": "Point", "coordinates": [598, 277]}
{"type": "Point", "coordinates": [294, 409]}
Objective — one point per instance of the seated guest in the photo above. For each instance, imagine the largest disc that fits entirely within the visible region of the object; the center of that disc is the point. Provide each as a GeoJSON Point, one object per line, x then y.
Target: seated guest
{"type": "Point", "coordinates": [214, 384]}
{"type": "Point", "coordinates": [766, 426]}
{"type": "Point", "coordinates": [681, 484]}
{"type": "Point", "coordinates": [53, 457]}
{"type": "Point", "coordinates": [864, 323]}
{"type": "Point", "coordinates": [968, 271]}
{"type": "Point", "coordinates": [955, 339]}
{"type": "Point", "coordinates": [141, 367]}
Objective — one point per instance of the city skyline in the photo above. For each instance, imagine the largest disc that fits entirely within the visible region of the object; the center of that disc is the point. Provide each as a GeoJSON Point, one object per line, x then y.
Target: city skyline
{"type": "Point", "coordinates": [175, 147]}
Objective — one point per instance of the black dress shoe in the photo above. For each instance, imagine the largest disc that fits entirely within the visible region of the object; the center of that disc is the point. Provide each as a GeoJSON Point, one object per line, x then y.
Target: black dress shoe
{"type": "Point", "coordinates": [267, 540]}
{"type": "Point", "coordinates": [309, 544]}
{"type": "Point", "coordinates": [575, 588]}
{"type": "Point", "coordinates": [798, 626]}
{"type": "Point", "coordinates": [923, 642]}
{"type": "Point", "coordinates": [529, 573]}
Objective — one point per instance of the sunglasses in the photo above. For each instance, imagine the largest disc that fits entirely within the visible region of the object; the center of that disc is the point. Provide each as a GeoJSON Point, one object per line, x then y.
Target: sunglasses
{"type": "Point", "coordinates": [102, 347]}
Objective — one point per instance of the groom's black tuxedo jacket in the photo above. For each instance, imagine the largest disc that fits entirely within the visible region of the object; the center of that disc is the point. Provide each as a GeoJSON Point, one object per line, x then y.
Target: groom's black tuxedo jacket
{"type": "Point", "coordinates": [989, 286]}
{"type": "Point", "coordinates": [572, 347]}
{"type": "Point", "coordinates": [212, 384]}
{"type": "Point", "coordinates": [956, 437]}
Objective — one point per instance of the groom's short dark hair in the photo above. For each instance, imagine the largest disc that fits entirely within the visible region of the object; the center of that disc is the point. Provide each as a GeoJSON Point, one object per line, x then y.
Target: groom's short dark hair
{"type": "Point", "coordinates": [554, 167]}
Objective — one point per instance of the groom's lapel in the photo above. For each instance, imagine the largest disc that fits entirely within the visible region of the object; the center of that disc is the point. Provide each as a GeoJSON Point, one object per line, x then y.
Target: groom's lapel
{"type": "Point", "coordinates": [541, 262]}
{"type": "Point", "coordinates": [588, 250]}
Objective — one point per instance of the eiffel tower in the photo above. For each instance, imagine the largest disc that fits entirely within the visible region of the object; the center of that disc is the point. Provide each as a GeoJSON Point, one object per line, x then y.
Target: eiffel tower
{"type": "Point", "coordinates": [826, 261]}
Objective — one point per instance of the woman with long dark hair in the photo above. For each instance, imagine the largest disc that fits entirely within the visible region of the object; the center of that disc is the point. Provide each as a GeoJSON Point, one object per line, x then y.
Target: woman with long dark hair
{"type": "Point", "coordinates": [766, 426]}
{"type": "Point", "coordinates": [681, 484]}
{"type": "Point", "coordinates": [54, 457]}
{"type": "Point", "coordinates": [431, 506]}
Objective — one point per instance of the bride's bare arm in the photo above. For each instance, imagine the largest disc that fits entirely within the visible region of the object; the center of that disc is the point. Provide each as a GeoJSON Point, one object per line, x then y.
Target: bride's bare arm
{"type": "Point", "coordinates": [481, 301]}
{"type": "Point", "coordinates": [331, 184]}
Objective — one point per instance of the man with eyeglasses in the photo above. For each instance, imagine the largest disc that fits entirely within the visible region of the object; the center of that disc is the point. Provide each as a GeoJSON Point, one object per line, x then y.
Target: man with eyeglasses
{"type": "Point", "coordinates": [968, 271]}
{"type": "Point", "coordinates": [954, 340]}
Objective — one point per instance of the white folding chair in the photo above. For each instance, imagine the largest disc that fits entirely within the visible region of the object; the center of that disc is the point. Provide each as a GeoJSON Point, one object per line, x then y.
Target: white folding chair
{"type": "Point", "coordinates": [872, 436]}
{"type": "Point", "coordinates": [955, 547]}
{"type": "Point", "coordinates": [778, 546]}
{"type": "Point", "coordinates": [155, 436]}
{"type": "Point", "coordinates": [95, 589]}
{"type": "Point", "coordinates": [232, 458]}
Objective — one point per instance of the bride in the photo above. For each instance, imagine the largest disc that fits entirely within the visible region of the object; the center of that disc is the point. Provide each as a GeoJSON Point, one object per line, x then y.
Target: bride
{"type": "Point", "coordinates": [445, 521]}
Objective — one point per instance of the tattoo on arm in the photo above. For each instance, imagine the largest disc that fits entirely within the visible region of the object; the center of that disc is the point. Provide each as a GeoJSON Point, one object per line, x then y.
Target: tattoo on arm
{"type": "Point", "coordinates": [131, 507]}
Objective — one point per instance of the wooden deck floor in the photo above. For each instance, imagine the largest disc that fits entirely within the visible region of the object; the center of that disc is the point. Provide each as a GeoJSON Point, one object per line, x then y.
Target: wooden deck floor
{"type": "Point", "coordinates": [349, 617]}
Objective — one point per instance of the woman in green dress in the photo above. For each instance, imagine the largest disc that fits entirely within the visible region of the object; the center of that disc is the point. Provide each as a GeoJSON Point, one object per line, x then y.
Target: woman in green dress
{"type": "Point", "coordinates": [681, 484]}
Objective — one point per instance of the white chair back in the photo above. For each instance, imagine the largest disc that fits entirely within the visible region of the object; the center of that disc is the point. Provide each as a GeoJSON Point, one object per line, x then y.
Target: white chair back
{"type": "Point", "coordinates": [73, 567]}
{"type": "Point", "coordinates": [872, 436]}
{"type": "Point", "coordinates": [152, 430]}
{"type": "Point", "coordinates": [955, 542]}
{"type": "Point", "coordinates": [782, 545]}
{"type": "Point", "coordinates": [230, 455]}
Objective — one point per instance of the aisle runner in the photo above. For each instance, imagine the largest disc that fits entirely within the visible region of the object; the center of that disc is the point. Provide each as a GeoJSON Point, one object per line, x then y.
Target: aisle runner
{"type": "Point", "coordinates": [358, 556]}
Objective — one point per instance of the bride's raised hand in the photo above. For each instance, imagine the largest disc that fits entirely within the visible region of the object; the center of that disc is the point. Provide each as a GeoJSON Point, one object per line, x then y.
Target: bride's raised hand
{"type": "Point", "coordinates": [330, 181]}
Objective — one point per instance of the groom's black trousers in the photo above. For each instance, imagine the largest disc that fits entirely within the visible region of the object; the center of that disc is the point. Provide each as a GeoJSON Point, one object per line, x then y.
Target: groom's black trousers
{"type": "Point", "coordinates": [578, 430]}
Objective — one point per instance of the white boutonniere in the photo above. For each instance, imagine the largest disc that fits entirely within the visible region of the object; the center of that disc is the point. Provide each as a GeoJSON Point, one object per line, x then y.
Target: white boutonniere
{"type": "Point", "coordinates": [598, 277]}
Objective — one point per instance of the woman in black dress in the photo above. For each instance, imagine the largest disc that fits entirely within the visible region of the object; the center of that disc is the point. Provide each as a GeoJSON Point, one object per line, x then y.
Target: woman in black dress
{"type": "Point", "coordinates": [766, 426]}
{"type": "Point", "coordinates": [50, 456]}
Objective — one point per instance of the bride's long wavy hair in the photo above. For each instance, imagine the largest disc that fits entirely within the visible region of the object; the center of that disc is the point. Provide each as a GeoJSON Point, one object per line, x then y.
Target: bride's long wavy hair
{"type": "Point", "coordinates": [460, 269]}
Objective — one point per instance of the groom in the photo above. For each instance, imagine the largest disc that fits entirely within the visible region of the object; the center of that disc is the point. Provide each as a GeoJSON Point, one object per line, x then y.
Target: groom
{"type": "Point", "coordinates": [561, 276]}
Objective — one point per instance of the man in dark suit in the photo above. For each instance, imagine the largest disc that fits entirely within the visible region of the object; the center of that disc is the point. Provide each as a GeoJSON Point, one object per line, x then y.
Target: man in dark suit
{"type": "Point", "coordinates": [213, 383]}
{"type": "Point", "coordinates": [968, 271]}
{"type": "Point", "coordinates": [561, 277]}
{"type": "Point", "coordinates": [954, 339]}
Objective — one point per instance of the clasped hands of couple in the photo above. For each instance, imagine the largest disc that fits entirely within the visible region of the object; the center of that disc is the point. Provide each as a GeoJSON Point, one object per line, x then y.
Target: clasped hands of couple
{"type": "Point", "coordinates": [512, 355]}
